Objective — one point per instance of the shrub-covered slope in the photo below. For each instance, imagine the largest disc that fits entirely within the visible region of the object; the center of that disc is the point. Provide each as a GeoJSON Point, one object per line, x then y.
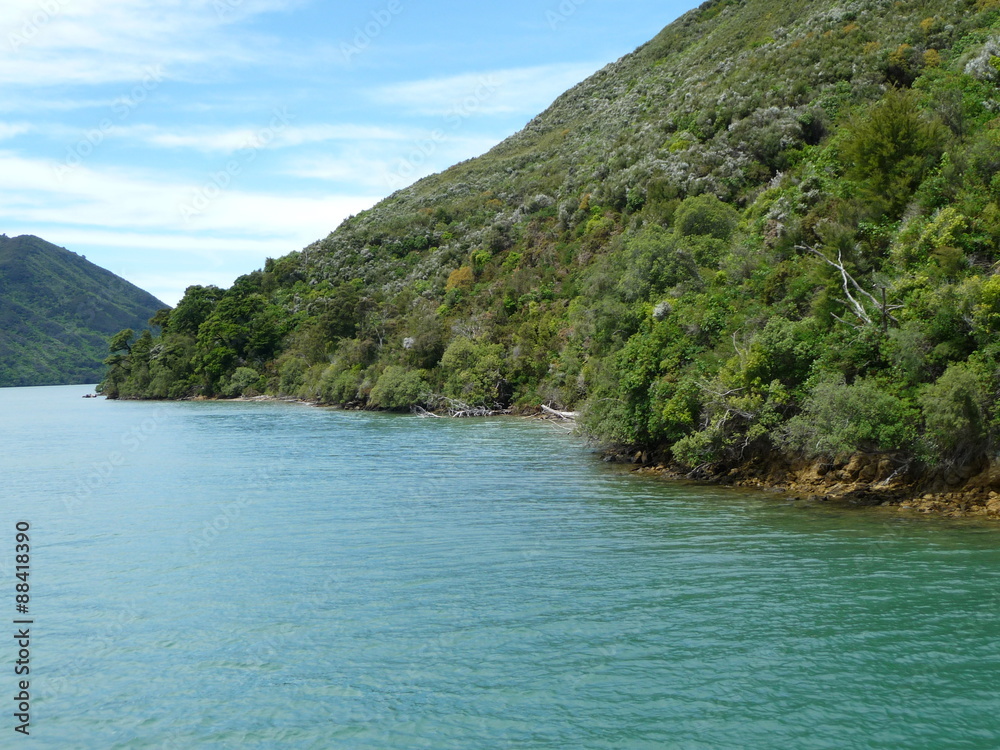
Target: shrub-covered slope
{"type": "Point", "coordinates": [56, 312]}
{"type": "Point", "coordinates": [773, 227]}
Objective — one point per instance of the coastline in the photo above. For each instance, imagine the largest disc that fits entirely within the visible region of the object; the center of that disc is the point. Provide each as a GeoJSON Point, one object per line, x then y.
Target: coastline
{"type": "Point", "coordinates": [859, 481]}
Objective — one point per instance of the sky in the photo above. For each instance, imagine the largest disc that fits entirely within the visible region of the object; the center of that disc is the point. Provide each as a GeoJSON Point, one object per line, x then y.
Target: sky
{"type": "Point", "coordinates": [179, 142]}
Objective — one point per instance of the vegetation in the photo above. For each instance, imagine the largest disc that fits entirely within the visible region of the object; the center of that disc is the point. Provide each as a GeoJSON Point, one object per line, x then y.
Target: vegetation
{"type": "Point", "coordinates": [57, 311]}
{"type": "Point", "coordinates": [774, 227]}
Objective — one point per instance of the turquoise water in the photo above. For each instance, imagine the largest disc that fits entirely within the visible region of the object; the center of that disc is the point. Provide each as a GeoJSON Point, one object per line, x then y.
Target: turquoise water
{"type": "Point", "coordinates": [261, 575]}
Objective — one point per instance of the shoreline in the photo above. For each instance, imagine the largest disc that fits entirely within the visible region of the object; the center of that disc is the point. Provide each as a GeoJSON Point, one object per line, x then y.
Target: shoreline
{"type": "Point", "coordinates": [860, 481]}
{"type": "Point", "coordinates": [973, 493]}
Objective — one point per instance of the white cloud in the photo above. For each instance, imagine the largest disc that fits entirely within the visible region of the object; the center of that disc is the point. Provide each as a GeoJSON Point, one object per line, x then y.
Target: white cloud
{"type": "Point", "coordinates": [117, 198]}
{"type": "Point", "coordinates": [386, 168]}
{"type": "Point", "coordinates": [514, 90]}
{"type": "Point", "coordinates": [133, 222]}
{"type": "Point", "coordinates": [151, 211]}
{"type": "Point", "coordinates": [267, 134]}
{"type": "Point", "coordinates": [56, 42]}
{"type": "Point", "coordinates": [13, 129]}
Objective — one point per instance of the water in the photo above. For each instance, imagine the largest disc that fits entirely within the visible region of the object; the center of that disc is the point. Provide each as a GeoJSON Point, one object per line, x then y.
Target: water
{"type": "Point", "coordinates": [261, 575]}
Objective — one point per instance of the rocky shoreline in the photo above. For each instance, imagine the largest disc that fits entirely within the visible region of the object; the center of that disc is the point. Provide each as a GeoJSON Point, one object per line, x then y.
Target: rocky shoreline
{"type": "Point", "coordinates": [862, 480]}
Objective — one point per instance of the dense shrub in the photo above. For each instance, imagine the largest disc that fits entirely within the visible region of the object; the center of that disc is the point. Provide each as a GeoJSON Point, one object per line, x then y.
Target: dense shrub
{"type": "Point", "coordinates": [839, 419]}
{"type": "Point", "coordinates": [648, 251]}
{"type": "Point", "coordinates": [398, 388]}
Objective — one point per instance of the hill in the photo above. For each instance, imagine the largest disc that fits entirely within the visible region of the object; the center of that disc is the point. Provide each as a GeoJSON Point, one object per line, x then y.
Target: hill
{"type": "Point", "coordinates": [57, 311]}
{"type": "Point", "coordinates": [769, 234]}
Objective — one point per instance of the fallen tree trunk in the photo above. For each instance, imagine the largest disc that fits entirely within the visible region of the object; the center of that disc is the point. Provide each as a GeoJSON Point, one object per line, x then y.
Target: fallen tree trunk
{"type": "Point", "coordinates": [455, 408]}
{"type": "Point", "coordinates": [568, 415]}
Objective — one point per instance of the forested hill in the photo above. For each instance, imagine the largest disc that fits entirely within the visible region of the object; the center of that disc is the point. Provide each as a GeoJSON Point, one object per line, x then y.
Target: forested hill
{"type": "Point", "coordinates": [57, 310]}
{"type": "Point", "coordinates": [775, 226]}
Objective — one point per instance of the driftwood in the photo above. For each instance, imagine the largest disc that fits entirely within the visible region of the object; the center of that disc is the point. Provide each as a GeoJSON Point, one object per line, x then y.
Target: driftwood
{"type": "Point", "coordinates": [422, 412]}
{"type": "Point", "coordinates": [567, 415]}
{"type": "Point", "coordinates": [455, 408]}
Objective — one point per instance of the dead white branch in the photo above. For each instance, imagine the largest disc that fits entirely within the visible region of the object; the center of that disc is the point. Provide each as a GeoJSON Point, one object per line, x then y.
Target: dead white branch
{"type": "Point", "coordinates": [568, 415]}
{"type": "Point", "coordinates": [849, 282]}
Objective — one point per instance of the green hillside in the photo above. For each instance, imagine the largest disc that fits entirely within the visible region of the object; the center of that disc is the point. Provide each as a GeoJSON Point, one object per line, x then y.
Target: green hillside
{"type": "Point", "coordinates": [57, 310]}
{"type": "Point", "coordinates": [773, 229]}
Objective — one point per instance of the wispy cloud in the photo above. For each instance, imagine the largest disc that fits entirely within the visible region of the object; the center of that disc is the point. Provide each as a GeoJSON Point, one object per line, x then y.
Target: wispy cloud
{"type": "Point", "coordinates": [60, 42]}
{"type": "Point", "coordinates": [376, 166]}
{"type": "Point", "coordinates": [13, 129]}
{"type": "Point", "coordinates": [511, 90]}
{"type": "Point", "coordinates": [130, 220]}
{"type": "Point", "coordinates": [116, 199]}
{"type": "Point", "coordinates": [233, 139]}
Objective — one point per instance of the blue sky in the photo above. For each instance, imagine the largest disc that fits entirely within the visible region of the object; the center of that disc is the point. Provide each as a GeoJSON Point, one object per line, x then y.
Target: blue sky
{"type": "Point", "coordinates": [180, 142]}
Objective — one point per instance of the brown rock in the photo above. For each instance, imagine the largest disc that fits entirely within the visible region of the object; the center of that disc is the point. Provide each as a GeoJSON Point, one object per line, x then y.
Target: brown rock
{"type": "Point", "coordinates": [854, 466]}
{"type": "Point", "coordinates": [884, 469]}
{"type": "Point", "coordinates": [868, 472]}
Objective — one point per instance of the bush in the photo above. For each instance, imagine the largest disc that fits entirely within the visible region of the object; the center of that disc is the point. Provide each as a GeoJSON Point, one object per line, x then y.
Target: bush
{"type": "Point", "coordinates": [702, 215]}
{"type": "Point", "coordinates": [840, 419]}
{"type": "Point", "coordinates": [655, 263]}
{"type": "Point", "coordinates": [292, 375]}
{"type": "Point", "coordinates": [474, 372]}
{"type": "Point", "coordinates": [953, 414]}
{"type": "Point", "coordinates": [893, 148]}
{"type": "Point", "coordinates": [341, 386]}
{"type": "Point", "coordinates": [460, 278]}
{"type": "Point", "coordinates": [398, 388]}
{"type": "Point", "coordinates": [243, 382]}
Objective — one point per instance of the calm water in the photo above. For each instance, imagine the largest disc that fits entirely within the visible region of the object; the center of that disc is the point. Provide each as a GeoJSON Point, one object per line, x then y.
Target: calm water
{"type": "Point", "coordinates": [244, 575]}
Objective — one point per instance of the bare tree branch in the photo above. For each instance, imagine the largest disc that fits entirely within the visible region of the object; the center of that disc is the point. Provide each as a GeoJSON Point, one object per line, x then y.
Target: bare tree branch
{"type": "Point", "coordinates": [848, 282]}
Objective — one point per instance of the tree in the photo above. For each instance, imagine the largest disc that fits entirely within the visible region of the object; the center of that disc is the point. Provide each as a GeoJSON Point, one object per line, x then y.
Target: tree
{"type": "Point", "coordinates": [953, 409]}
{"type": "Point", "coordinates": [893, 147]}
{"type": "Point", "coordinates": [121, 341]}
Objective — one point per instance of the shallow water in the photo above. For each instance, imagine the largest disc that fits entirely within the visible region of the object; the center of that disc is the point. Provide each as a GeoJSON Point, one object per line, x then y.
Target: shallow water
{"type": "Point", "coordinates": [262, 575]}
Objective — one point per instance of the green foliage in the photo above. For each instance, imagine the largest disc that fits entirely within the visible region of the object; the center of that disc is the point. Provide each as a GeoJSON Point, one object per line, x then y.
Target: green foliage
{"type": "Point", "coordinates": [839, 419]}
{"type": "Point", "coordinates": [954, 414]}
{"type": "Point", "coordinates": [398, 388]}
{"type": "Point", "coordinates": [244, 382]}
{"type": "Point", "coordinates": [474, 372]}
{"type": "Point", "coordinates": [705, 215]}
{"type": "Point", "coordinates": [196, 305]}
{"type": "Point", "coordinates": [646, 251]}
{"type": "Point", "coordinates": [893, 147]}
{"type": "Point", "coordinates": [655, 263]}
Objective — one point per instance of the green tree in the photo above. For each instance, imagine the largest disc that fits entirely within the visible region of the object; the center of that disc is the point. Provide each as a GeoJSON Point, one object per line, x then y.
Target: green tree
{"type": "Point", "coordinates": [398, 388]}
{"type": "Point", "coordinates": [893, 148]}
{"type": "Point", "coordinates": [953, 408]}
{"type": "Point", "coordinates": [839, 419]}
{"type": "Point", "coordinates": [474, 372]}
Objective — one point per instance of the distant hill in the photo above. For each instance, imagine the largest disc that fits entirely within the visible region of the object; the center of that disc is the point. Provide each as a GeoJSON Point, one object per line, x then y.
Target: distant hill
{"type": "Point", "coordinates": [57, 310]}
